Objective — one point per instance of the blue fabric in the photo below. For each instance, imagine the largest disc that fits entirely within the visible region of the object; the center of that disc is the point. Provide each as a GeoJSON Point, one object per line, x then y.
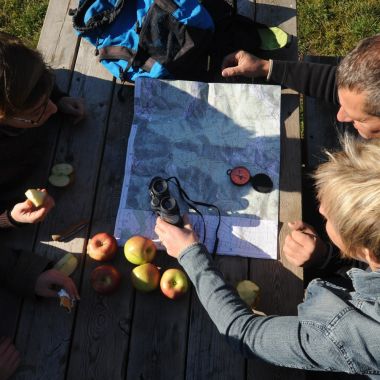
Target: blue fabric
{"type": "Point", "coordinates": [335, 330]}
{"type": "Point", "coordinates": [124, 33]}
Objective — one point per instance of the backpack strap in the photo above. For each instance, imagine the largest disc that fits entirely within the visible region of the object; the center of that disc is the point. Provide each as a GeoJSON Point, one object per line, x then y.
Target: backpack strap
{"type": "Point", "coordinates": [132, 57]}
{"type": "Point", "coordinates": [98, 20]}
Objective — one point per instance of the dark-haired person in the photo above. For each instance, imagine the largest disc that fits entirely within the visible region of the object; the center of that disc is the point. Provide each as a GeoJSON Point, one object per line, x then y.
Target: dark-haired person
{"type": "Point", "coordinates": [28, 98]}
{"type": "Point", "coordinates": [354, 84]}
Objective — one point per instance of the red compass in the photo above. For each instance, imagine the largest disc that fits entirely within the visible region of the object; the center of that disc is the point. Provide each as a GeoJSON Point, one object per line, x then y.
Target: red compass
{"type": "Point", "coordinates": [239, 175]}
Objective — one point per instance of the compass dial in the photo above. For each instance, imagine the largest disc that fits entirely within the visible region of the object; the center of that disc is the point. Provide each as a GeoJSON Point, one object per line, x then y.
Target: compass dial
{"type": "Point", "coordinates": [239, 175]}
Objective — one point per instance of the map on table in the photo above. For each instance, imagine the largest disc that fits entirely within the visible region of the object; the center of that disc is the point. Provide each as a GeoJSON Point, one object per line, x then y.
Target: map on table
{"type": "Point", "coordinates": [196, 132]}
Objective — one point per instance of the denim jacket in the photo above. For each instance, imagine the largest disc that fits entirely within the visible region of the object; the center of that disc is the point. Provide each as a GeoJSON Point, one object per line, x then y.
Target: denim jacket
{"type": "Point", "coordinates": [335, 330]}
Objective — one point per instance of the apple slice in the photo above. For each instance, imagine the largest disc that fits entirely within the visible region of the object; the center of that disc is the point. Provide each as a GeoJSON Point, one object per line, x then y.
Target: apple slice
{"type": "Point", "coordinates": [37, 197]}
{"type": "Point", "coordinates": [62, 169]}
{"type": "Point", "coordinates": [59, 180]}
{"type": "Point", "coordinates": [67, 264]}
{"type": "Point", "coordinates": [249, 292]}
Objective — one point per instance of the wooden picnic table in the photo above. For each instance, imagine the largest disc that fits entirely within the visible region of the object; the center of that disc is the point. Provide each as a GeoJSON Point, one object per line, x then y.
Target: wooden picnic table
{"type": "Point", "coordinates": [130, 335]}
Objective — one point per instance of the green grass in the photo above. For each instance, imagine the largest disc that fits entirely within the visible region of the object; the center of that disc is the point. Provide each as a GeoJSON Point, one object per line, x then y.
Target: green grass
{"type": "Point", "coordinates": [23, 18]}
{"type": "Point", "coordinates": [333, 27]}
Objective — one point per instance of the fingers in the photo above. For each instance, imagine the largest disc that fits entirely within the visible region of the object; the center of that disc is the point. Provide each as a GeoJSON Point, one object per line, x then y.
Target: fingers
{"type": "Point", "coordinates": [296, 225]}
{"type": "Point", "coordinates": [9, 357]}
{"type": "Point", "coordinates": [67, 283]}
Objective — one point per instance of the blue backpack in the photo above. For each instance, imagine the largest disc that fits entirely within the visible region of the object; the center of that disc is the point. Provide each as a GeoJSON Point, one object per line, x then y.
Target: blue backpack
{"type": "Point", "coordinates": [151, 38]}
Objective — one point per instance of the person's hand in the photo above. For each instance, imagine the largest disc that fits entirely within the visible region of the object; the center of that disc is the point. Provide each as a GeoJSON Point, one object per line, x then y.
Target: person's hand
{"type": "Point", "coordinates": [175, 239]}
{"type": "Point", "coordinates": [243, 63]}
{"type": "Point", "coordinates": [73, 107]}
{"type": "Point", "coordinates": [26, 212]}
{"type": "Point", "coordinates": [52, 279]}
{"type": "Point", "coordinates": [303, 247]}
{"type": "Point", "coordinates": [9, 358]}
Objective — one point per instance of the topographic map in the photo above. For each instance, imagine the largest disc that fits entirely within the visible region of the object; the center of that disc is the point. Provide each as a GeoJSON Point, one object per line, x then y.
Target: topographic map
{"type": "Point", "coordinates": [196, 132]}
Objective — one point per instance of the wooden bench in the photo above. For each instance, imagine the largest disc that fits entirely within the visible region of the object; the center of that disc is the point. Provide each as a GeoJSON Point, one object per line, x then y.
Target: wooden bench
{"type": "Point", "coordinates": [131, 335]}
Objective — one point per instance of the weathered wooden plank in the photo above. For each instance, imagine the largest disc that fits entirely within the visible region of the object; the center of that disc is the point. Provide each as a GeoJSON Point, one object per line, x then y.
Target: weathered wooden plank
{"type": "Point", "coordinates": [103, 323]}
{"type": "Point", "coordinates": [209, 356]}
{"type": "Point", "coordinates": [44, 334]}
{"type": "Point", "coordinates": [159, 335]}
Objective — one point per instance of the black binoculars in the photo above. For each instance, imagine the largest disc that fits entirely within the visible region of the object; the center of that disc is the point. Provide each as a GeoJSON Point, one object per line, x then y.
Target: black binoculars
{"type": "Point", "coordinates": [162, 203]}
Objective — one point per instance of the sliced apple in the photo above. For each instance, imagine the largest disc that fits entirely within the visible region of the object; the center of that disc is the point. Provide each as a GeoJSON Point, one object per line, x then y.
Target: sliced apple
{"type": "Point", "coordinates": [37, 197]}
{"type": "Point", "coordinates": [62, 169]}
{"type": "Point", "coordinates": [59, 180]}
{"type": "Point", "coordinates": [67, 264]}
{"type": "Point", "coordinates": [249, 292]}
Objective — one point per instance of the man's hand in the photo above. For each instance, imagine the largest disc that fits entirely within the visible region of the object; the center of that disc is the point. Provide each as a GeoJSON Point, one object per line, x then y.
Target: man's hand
{"type": "Point", "coordinates": [303, 247]}
{"type": "Point", "coordinates": [9, 358]}
{"type": "Point", "coordinates": [73, 107]}
{"type": "Point", "coordinates": [245, 64]}
{"type": "Point", "coordinates": [26, 212]}
{"type": "Point", "coordinates": [53, 279]}
{"type": "Point", "coordinates": [175, 239]}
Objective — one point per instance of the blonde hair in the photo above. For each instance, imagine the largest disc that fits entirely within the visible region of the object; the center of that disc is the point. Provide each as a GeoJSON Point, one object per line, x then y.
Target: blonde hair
{"type": "Point", "coordinates": [348, 186]}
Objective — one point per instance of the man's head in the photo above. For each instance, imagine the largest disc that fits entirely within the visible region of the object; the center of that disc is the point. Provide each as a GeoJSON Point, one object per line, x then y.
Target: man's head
{"type": "Point", "coordinates": [25, 85]}
{"type": "Point", "coordinates": [348, 187]}
{"type": "Point", "coordinates": [358, 81]}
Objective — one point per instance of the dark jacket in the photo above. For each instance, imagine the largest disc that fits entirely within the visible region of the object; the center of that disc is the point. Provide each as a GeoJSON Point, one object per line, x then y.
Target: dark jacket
{"type": "Point", "coordinates": [311, 79]}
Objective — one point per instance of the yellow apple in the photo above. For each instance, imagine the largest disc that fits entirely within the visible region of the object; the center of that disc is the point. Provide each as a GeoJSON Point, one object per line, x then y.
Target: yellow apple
{"type": "Point", "coordinates": [145, 277]}
{"type": "Point", "coordinates": [249, 292]}
{"type": "Point", "coordinates": [139, 250]}
{"type": "Point", "coordinates": [37, 197]}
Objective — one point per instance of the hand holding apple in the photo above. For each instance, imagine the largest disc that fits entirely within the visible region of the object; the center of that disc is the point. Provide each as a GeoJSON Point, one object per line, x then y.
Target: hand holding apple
{"type": "Point", "coordinates": [145, 277]}
{"type": "Point", "coordinates": [174, 283]}
{"type": "Point", "coordinates": [175, 239]}
{"type": "Point", "coordinates": [105, 279]}
{"type": "Point", "coordinates": [139, 250]}
{"type": "Point", "coordinates": [102, 247]}
{"type": "Point", "coordinates": [27, 212]}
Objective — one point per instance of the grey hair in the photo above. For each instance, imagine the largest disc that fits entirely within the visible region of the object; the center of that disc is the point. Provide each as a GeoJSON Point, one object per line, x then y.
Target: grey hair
{"type": "Point", "coordinates": [360, 71]}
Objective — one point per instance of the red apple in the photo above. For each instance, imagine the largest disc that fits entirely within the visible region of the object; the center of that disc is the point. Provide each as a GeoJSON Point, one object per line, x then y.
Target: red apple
{"type": "Point", "coordinates": [139, 250]}
{"type": "Point", "coordinates": [145, 277]}
{"type": "Point", "coordinates": [174, 283]}
{"type": "Point", "coordinates": [105, 279]}
{"type": "Point", "coordinates": [102, 247]}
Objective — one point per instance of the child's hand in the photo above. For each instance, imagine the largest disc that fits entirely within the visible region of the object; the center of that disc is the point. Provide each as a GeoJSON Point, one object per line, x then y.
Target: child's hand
{"type": "Point", "coordinates": [73, 107]}
{"type": "Point", "coordinates": [303, 247]}
{"type": "Point", "coordinates": [26, 212]}
{"type": "Point", "coordinates": [244, 63]}
{"type": "Point", "coordinates": [52, 278]}
{"type": "Point", "coordinates": [175, 239]}
{"type": "Point", "coordinates": [9, 358]}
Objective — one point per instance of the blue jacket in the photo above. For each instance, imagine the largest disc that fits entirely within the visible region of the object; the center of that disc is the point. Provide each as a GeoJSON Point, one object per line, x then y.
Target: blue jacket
{"type": "Point", "coordinates": [335, 330]}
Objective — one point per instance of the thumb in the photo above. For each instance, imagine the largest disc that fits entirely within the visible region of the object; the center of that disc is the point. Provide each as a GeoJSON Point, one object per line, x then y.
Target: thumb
{"type": "Point", "coordinates": [231, 71]}
{"type": "Point", "coordinates": [186, 222]}
{"type": "Point", "coordinates": [296, 225]}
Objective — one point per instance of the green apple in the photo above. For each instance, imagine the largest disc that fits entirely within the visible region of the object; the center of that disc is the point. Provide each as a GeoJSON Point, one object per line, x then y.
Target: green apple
{"type": "Point", "coordinates": [174, 283]}
{"type": "Point", "coordinates": [249, 292]}
{"type": "Point", "coordinates": [139, 250]}
{"type": "Point", "coordinates": [37, 197]}
{"type": "Point", "coordinates": [67, 264]}
{"type": "Point", "coordinates": [61, 175]}
{"type": "Point", "coordinates": [62, 169]}
{"type": "Point", "coordinates": [145, 277]}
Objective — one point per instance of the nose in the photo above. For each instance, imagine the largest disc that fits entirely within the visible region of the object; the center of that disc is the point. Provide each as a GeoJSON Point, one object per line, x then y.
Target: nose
{"type": "Point", "coordinates": [342, 116]}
